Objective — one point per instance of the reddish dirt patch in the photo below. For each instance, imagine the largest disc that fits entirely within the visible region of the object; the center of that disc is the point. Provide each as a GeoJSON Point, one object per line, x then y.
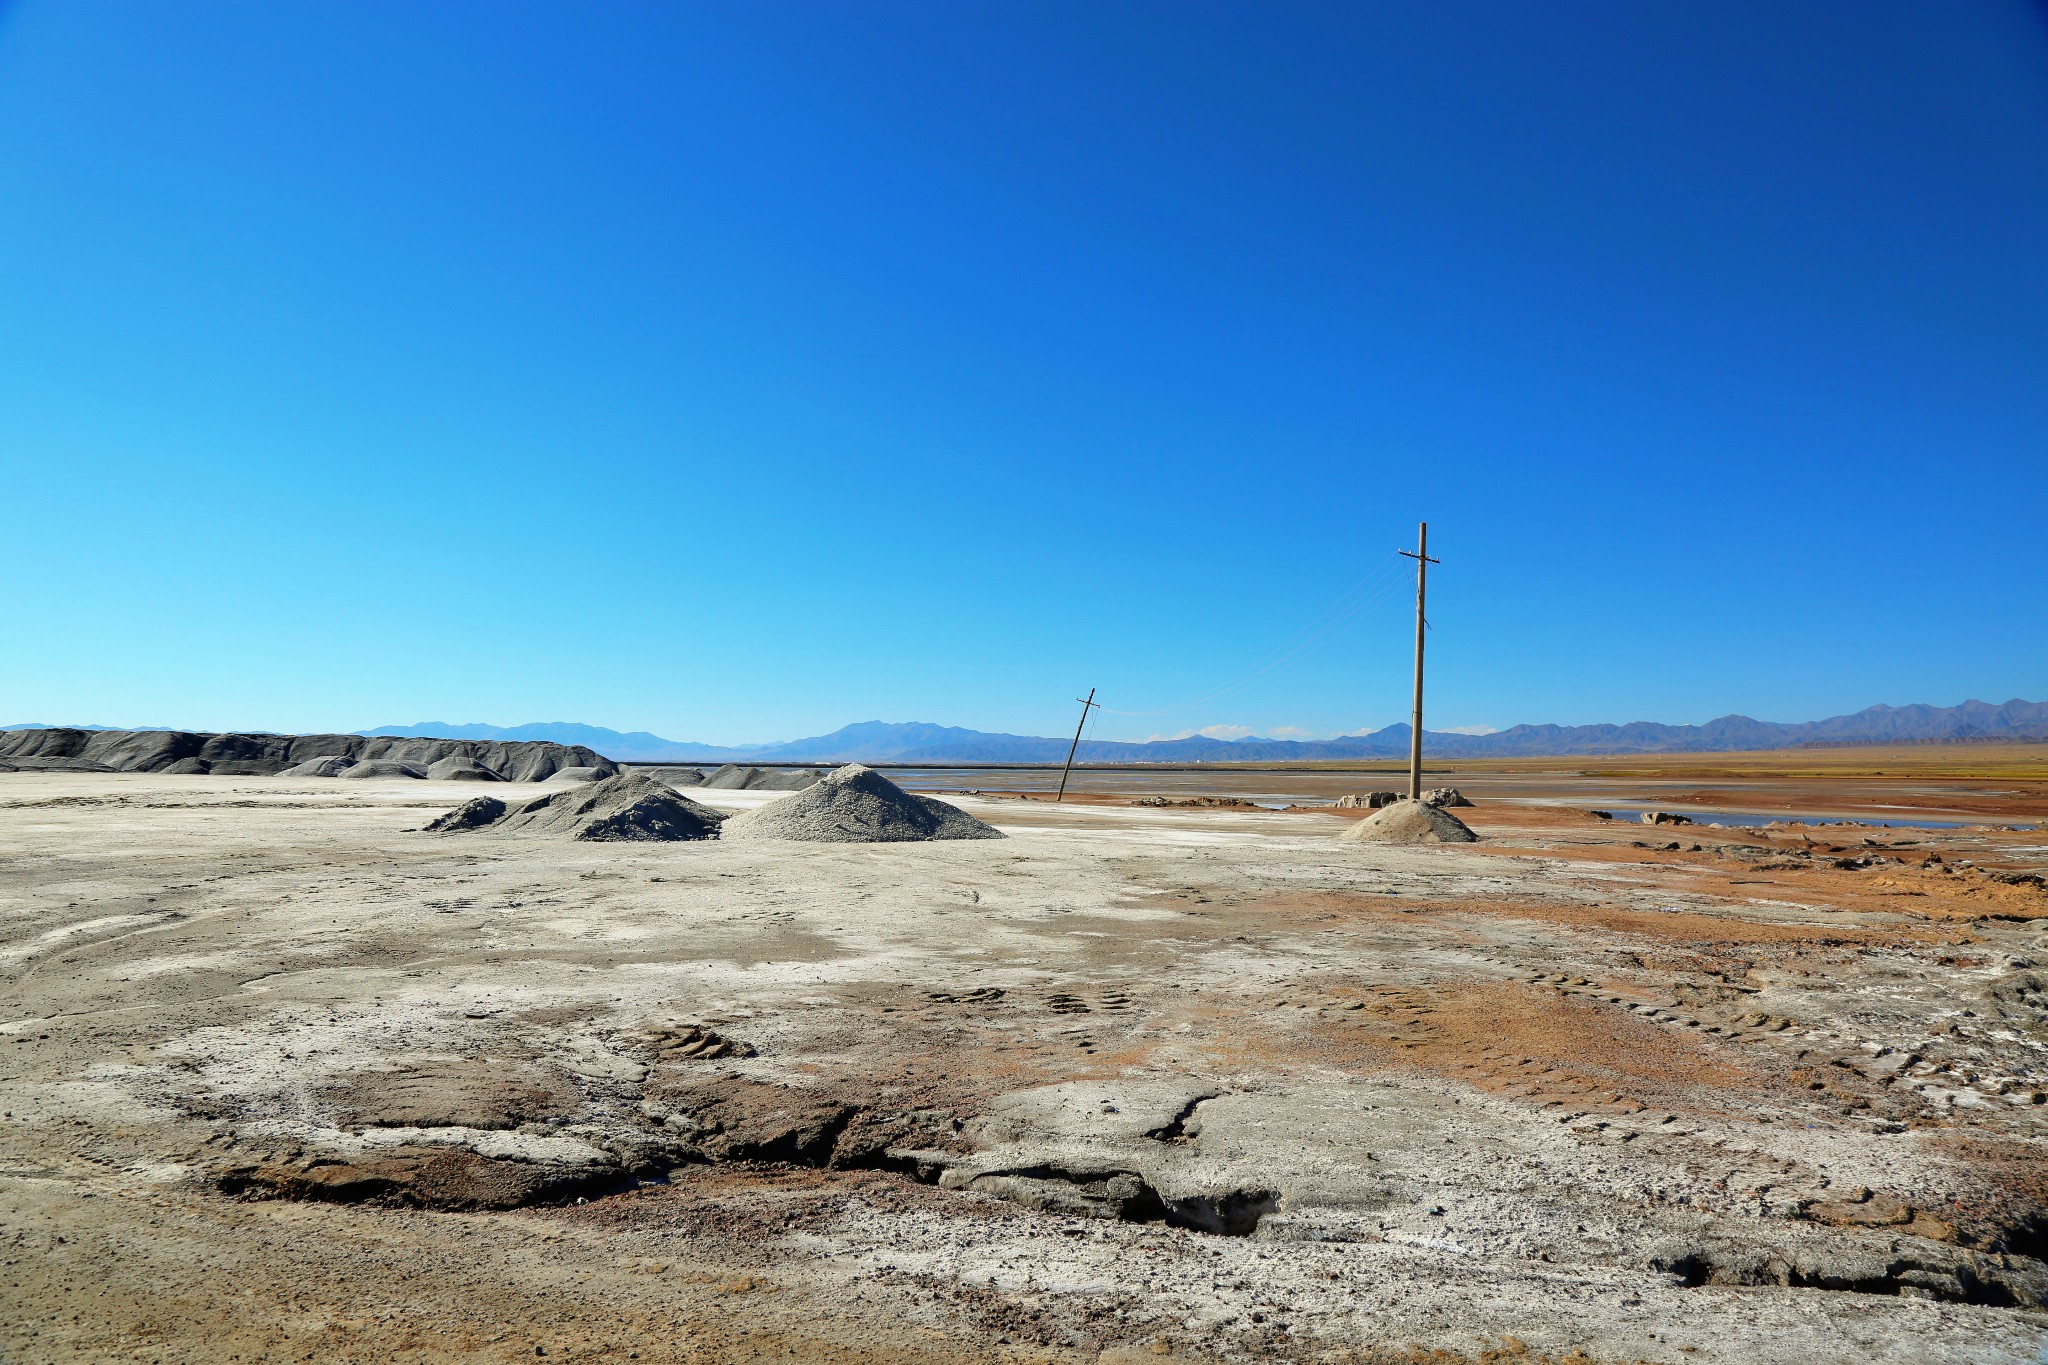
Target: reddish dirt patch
{"type": "Point", "coordinates": [1668, 927]}
{"type": "Point", "coordinates": [1552, 1050]}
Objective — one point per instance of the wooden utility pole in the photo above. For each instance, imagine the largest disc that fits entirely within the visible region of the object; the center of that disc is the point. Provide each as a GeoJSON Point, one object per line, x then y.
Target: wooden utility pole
{"type": "Point", "coordinates": [1420, 554]}
{"type": "Point", "coordinates": [1085, 705]}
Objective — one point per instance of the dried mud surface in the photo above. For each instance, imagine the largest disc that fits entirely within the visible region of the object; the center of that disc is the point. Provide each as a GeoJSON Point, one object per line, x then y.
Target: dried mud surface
{"type": "Point", "coordinates": [284, 1078]}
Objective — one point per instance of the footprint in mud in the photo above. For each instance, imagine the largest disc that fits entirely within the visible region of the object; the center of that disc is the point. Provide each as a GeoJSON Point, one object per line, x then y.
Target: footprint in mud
{"type": "Point", "coordinates": [984, 995]}
{"type": "Point", "coordinates": [681, 1041]}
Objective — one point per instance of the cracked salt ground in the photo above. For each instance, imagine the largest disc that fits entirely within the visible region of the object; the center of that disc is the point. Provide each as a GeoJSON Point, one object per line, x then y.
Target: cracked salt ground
{"type": "Point", "coordinates": [1255, 1093]}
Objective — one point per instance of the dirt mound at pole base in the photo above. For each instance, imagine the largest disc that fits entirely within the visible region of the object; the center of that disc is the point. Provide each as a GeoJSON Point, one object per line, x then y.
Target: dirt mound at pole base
{"type": "Point", "coordinates": [1410, 822]}
{"type": "Point", "coordinates": [626, 807]}
{"type": "Point", "coordinates": [856, 805]}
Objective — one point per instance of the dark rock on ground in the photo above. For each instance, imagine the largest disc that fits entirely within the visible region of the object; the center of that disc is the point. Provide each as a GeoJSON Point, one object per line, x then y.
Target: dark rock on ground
{"type": "Point", "coordinates": [442, 1178]}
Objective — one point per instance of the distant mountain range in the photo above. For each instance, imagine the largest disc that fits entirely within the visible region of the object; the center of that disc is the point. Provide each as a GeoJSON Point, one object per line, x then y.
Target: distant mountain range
{"type": "Point", "coordinates": [877, 741]}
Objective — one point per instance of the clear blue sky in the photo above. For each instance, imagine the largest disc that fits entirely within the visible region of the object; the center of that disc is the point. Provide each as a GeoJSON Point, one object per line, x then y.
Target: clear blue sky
{"type": "Point", "coordinates": [735, 371]}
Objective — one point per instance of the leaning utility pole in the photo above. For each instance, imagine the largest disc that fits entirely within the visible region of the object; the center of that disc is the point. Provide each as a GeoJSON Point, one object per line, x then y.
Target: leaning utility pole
{"type": "Point", "coordinates": [1085, 705]}
{"type": "Point", "coordinates": [1422, 562]}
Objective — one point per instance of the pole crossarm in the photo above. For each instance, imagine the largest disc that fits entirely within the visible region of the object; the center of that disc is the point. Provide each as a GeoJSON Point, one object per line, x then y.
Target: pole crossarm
{"type": "Point", "coordinates": [1086, 703]}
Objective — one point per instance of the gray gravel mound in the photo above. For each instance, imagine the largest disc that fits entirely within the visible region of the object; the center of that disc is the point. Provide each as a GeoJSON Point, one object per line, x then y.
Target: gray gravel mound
{"type": "Point", "coordinates": [327, 765]}
{"type": "Point", "coordinates": [674, 777]}
{"type": "Point", "coordinates": [374, 768]}
{"type": "Point", "coordinates": [484, 810]}
{"type": "Point", "coordinates": [625, 807]}
{"type": "Point", "coordinates": [739, 777]}
{"type": "Point", "coordinates": [1410, 822]}
{"type": "Point", "coordinates": [456, 768]}
{"type": "Point", "coordinates": [570, 777]}
{"type": "Point", "coordinates": [857, 805]}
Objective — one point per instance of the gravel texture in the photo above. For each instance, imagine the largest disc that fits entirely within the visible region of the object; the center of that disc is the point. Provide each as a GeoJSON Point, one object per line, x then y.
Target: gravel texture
{"type": "Point", "coordinates": [857, 805]}
{"type": "Point", "coordinates": [1410, 822]}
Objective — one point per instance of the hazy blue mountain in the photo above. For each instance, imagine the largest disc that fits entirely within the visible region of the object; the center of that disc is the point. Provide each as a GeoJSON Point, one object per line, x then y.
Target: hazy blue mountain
{"type": "Point", "coordinates": [877, 741]}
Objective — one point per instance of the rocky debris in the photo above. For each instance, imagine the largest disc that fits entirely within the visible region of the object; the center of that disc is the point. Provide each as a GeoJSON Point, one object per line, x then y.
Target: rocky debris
{"type": "Point", "coordinates": [736, 777]}
{"type": "Point", "coordinates": [627, 807]}
{"type": "Point", "coordinates": [372, 769]}
{"type": "Point", "coordinates": [1109, 1192]}
{"type": "Point", "coordinates": [1912, 1267]}
{"type": "Point", "coordinates": [262, 755]}
{"type": "Point", "coordinates": [327, 765]}
{"type": "Point", "coordinates": [1410, 822]}
{"type": "Point", "coordinates": [474, 814]}
{"type": "Point", "coordinates": [1601, 814]}
{"type": "Point", "coordinates": [1367, 800]}
{"type": "Point", "coordinates": [1445, 797]}
{"type": "Point", "coordinates": [730, 1118]}
{"type": "Point", "coordinates": [855, 804]}
{"type": "Point", "coordinates": [450, 1179]}
{"type": "Point", "coordinates": [1663, 817]}
{"type": "Point", "coordinates": [460, 768]}
{"type": "Point", "coordinates": [1199, 802]}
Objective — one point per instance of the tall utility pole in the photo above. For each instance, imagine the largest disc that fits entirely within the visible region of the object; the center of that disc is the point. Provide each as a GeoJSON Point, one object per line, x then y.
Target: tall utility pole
{"type": "Point", "coordinates": [1085, 705]}
{"type": "Point", "coordinates": [1420, 554]}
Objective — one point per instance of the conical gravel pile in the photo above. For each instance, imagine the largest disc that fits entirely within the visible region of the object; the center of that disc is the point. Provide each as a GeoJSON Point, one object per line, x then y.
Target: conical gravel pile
{"type": "Point", "coordinates": [474, 814]}
{"type": "Point", "coordinates": [857, 805]}
{"type": "Point", "coordinates": [1410, 822]}
{"type": "Point", "coordinates": [626, 807]}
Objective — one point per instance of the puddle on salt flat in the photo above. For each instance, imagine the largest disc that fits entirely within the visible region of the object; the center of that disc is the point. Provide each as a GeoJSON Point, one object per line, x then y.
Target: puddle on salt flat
{"type": "Point", "coordinates": [1750, 819]}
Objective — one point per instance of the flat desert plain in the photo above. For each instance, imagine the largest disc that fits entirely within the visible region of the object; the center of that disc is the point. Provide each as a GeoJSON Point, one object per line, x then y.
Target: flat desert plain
{"type": "Point", "coordinates": [286, 1078]}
